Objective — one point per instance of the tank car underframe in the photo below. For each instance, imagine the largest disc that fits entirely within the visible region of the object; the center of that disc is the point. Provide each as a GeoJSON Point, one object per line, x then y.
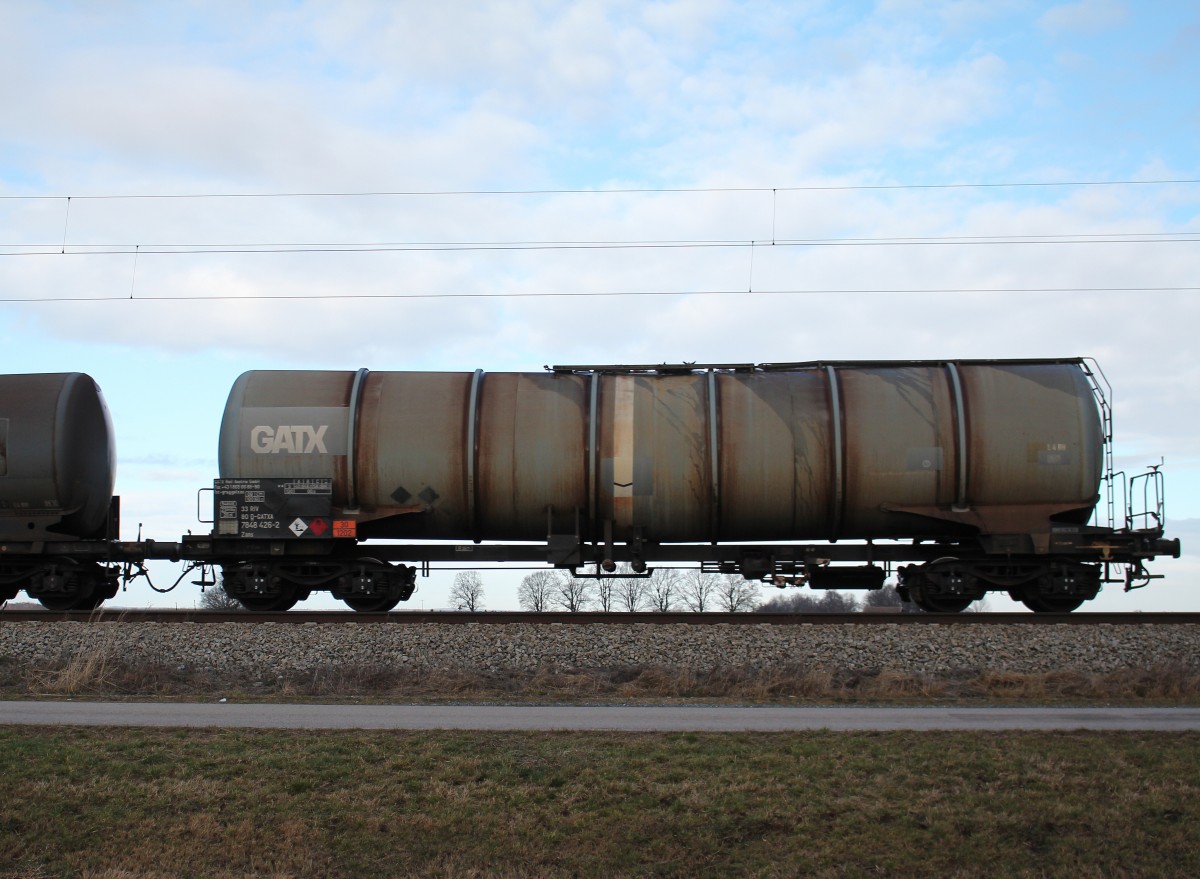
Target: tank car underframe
{"type": "Point", "coordinates": [267, 574]}
{"type": "Point", "coordinates": [942, 575]}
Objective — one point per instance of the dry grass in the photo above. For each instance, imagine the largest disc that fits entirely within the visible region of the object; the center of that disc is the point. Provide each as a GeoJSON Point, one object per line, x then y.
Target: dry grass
{"type": "Point", "coordinates": [95, 666]}
{"type": "Point", "coordinates": [95, 670]}
{"type": "Point", "coordinates": [98, 671]}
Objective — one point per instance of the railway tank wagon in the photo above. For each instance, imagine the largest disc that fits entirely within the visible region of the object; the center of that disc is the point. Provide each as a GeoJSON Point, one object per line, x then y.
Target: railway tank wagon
{"type": "Point", "coordinates": [960, 477]}
{"type": "Point", "coordinates": [989, 469]}
{"type": "Point", "coordinates": [872, 451]}
{"type": "Point", "coordinates": [57, 470]}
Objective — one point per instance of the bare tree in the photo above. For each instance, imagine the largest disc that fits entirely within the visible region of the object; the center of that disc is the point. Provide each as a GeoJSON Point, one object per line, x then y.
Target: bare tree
{"type": "Point", "coordinates": [606, 593]}
{"type": "Point", "coordinates": [788, 602]}
{"type": "Point", "coordinates": [467, 591]}
{"type": "Point", "coordinates": [573, 593]}
{"type": "Point", "coordinates": [217, 598]}
{"type": "Point", "coordinates": [699, 592]}
{"type": "Point", "coordinates": [631, 591]}
{"type": "Point", "coordinates": [736, 593]}
{"type": "Point", "coordinates": [663, 591]}
{"type": "Point", "coordinates": [838, 602]}
{"type": "Point", "coordinates": [537, 590]}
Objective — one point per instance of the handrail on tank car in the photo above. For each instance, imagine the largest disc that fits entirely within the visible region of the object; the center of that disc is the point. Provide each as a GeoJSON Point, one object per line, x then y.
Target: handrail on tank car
{"type": "Point", "coordinates": [1121, 480]}
{"type": "Point", "coordinates": [1152, 514]}
{"type": "Point", "coordinates": [697, 367]}
{"type": "Point", "coordinates": [654, 368]}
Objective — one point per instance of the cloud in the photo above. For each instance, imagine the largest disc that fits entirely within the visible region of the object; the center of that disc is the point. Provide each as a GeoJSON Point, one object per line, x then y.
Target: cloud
{"type": "Point", "coordinates": [1086, 16]}
{"type": "Point", "coordinates": [390, 96]}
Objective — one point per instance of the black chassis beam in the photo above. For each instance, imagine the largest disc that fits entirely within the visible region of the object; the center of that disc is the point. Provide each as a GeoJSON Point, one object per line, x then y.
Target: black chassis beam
{"type": "Point", "coordinates": [218, 550]}
{"type": "Point", "coordinates": [1117, 547]}
{"type": "Point", "coordinates": [101, 551]}
{"type": "Point", "coordinates": [788, 558]}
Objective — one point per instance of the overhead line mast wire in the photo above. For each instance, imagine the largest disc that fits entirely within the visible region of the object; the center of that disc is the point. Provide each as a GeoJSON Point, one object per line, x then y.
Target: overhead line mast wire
{"type": "Point", "coordinates": [541, 295]}
{"type": "Point", "coordinates": [865, 187]}
{"type": "Point", "coordinates": [168, 249]}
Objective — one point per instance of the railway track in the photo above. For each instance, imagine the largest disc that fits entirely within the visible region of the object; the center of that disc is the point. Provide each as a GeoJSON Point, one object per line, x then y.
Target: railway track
{"type": "Point", "coordinates": [411, 617]}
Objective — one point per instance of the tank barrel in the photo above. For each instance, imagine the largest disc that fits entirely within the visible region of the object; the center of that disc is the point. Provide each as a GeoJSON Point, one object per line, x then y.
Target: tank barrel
{"type": "Point", "coordinates": [706, 454]}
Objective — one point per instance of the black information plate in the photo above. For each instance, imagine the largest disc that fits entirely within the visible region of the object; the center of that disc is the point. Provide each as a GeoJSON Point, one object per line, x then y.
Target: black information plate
{"type": "Point", "coordinates": [273, 508]}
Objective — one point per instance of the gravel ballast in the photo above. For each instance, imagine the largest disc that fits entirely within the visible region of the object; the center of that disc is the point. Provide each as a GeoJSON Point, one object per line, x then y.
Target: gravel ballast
{"type": "Point", "coordinates": [288, 648]}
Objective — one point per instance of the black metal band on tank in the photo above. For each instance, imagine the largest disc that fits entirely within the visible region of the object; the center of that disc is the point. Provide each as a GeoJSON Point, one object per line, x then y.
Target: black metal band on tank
{"type": "Point", "coordinates": [961, 450]}
{"type": "Point", "coordinates": [471, 455]}
{"type": "Point", "coordinates": [356, 388]}
{"type": "Point", "coordinates": [835, 417]}
{"type": "Point", "coordinates": [714, 450]}
{"type": "Point", "coordinates": [593, 473]}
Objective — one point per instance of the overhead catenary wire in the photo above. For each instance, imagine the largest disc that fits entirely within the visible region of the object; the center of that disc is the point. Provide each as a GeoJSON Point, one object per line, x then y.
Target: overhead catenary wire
{"type": "Point", "coordinates": [159, 248]}
{"type": "Point", "coordinates": [284, 247]}
{"type": "Point", "coordinates": [814, 291]}
{"type": "Point", "coordinates": [631, 190]}
{"type": "Point", "coordinates": [181, 249]}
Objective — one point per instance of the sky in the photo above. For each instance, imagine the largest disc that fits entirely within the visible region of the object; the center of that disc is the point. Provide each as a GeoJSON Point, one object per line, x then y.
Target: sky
{"type": "Point", "coordinates": [192, 190]}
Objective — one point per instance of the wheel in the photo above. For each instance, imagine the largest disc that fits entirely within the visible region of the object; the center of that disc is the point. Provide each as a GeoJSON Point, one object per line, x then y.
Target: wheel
{"type": "Point", "coordinates": [389, 586]}
{"type": "Point", "coordinates": [68, 602]}
{"type": "Point", "coordinates": [101, 590]}
{"type": "Point", "coordinates": [84, 598]}
{"type": "Point", "coordinates": [1061, 589]}
{"type": "Point", "coordinates": [380, 603]}
{"type": "Point", "coordinates": [259, 603]}
{"type": "Point", "coordinates": [89, 602]}
{"type": "Point", "coordinates": [919, 595]}
{"type": "Point", "coordinates": [260, 589]}
{"type": "Point", "coordinates": [1046, 604]}
{"type": "Point", "coordinates": [80, 587]}
{"type": "Point", "coordinates": [941, 604]}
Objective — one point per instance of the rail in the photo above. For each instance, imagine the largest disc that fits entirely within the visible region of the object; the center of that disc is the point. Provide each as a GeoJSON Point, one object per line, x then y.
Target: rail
{"type": "Point", "coordinates": [425, 617]}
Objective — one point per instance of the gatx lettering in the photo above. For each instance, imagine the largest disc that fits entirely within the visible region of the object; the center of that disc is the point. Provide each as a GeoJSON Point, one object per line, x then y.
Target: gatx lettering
{"type": "Point", "coordinates": [299, 438]}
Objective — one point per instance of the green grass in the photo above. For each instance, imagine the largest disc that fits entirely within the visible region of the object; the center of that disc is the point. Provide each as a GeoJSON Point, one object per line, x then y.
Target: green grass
{"type": "Point", "coordinates": [138, 803]}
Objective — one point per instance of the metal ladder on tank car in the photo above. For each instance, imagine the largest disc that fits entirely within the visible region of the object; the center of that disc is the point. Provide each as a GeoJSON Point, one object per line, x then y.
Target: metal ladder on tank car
{"type": "Point", "coordinates": [1147, 518]}
{"type": "Point", "coordinates": [1102, 392]}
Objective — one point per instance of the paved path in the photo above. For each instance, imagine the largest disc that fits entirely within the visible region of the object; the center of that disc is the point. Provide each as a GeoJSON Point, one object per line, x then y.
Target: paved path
{"type": "Point", "coordinates": [716, 718]}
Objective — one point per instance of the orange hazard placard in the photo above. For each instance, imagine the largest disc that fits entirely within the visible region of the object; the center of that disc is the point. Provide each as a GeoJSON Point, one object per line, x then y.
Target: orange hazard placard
{"type": "Point", "coordinates": [345, 528]}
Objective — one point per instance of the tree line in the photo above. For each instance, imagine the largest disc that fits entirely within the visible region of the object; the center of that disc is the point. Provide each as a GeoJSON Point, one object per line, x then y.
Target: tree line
{"type": "Point", "coordinates": [667, 589]}
{"type": "Point", "coordinates": [664, 589]}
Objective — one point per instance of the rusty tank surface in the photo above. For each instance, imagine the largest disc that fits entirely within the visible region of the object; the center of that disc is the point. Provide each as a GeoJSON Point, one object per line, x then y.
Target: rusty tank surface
{"type": "Point", "coordinates": [681, 454]}
{"type": "Point", "coordinates": [57, 457]}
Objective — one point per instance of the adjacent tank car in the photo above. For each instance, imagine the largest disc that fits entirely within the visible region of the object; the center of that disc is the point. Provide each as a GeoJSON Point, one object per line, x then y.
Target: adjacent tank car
{"type": "Point", "coordinates": [57, 470]}
{"type": "Point", "coordinates": [961, 477]}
